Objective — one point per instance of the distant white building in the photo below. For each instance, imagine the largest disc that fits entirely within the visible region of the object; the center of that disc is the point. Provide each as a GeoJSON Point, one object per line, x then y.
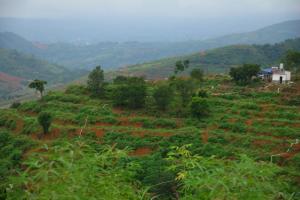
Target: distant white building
{"type": "Point", "coordinates": [276, 74]}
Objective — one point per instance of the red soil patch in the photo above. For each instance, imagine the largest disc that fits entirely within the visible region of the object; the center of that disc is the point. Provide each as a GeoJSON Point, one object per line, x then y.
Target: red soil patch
{"type": "Point", "coordinates": [232, 120]}
{"type": "Point", "coordinates": [118, 110]}
{"type": "Point", "coordinates": [294, 150]}
{"type": "Point", "coordinates": [249, 122]}
{"type": "Point", "coordinates": [143, 133]}
{"type": "Point", "coordinates": [53, 134]}
{"type": "Point", "coordinates": [163, 134]}
{"type": "Point", "coordinates": [61, 122]}
{"type": "Point", "coordinates": [261, 143]}
{"type": "Point", "coordinates": [204, 137]}
{"type": "Point", "coordinates": [30, 113]}
{"type": "Point", "coordinates": [98, 132]}
{"type": "Point", "coordinates": [75, 132]}
{"type": "Point", "coordinates": [19, 126]}
{"type": "Point", "coordinates": [139, 133]}
{"type": "Point", "coordinates": [123, 122]}
{"type": "Point", "coordinates": [142, 151]}
{"type": "Point", "coordinates": [133, 124]}
{"type": "Point", "coordinates": [103, 124]}
{"type": "Point", "coordinates": [13, 81]}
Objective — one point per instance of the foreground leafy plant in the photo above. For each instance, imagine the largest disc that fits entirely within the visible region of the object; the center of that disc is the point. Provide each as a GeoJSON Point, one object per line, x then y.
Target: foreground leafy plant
{"type": "Point", "coordinates": [211, 178]}
{"type": "Point", "coordinates": [76, 171]}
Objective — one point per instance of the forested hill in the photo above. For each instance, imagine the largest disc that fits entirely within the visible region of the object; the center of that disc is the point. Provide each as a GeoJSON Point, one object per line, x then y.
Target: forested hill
{"type": "Point", "coordinates": [114, 54]}
{"type": "Point", "coordinates": [217, 60]}
{"type": "Point", "coordinates": [17, 68]}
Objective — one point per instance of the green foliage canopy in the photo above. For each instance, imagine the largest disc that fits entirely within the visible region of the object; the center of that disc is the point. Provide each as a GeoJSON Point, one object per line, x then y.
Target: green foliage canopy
{"type": "Point", "coordinates": [197, 74]}
{"type": "Point", "coordinates": [130, 92]}
{"type": "Point", "coordinates": [243, 75]}
{"type": "Point", "coordinates": [95, 82]}
{"type": "Point", "coordinates": [163, 95]}
{"type": "Point", "coordinates": [39, 85]}
{"type": "Point", "coordinates": [199, 107]}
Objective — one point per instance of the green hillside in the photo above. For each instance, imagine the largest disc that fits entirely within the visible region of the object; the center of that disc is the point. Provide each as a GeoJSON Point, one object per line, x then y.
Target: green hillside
{"type": "Point", "coordinates": [217, 60]}
{"type": "Point", "coordinates": [17, 69]}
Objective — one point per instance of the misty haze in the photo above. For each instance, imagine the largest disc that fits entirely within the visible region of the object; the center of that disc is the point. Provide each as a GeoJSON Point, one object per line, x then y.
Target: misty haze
{"type": "Point", "coordinates": [149, 99]}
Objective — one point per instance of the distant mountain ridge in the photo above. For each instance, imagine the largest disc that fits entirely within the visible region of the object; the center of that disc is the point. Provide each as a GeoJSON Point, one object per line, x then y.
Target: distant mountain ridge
{"type": "Point", "coordinates": [112, 55]}
{"type": "Point", "coordinates": [217, 60]}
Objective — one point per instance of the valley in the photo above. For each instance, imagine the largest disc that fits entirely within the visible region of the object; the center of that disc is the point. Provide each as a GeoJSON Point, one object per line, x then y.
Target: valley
{"type": "Point", "coordinates": [214, 118]}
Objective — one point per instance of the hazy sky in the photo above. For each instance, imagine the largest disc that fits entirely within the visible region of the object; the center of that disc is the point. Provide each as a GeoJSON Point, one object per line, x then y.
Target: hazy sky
{"type": "Point", "coordinates": [285, 9]}
{"type": "Point", "coordinates": [142, 20]}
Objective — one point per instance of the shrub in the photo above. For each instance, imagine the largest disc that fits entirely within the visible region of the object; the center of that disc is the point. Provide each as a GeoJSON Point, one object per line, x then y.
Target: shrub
{"type": "Point", "coordinates": [202, 94]}
{"type": "Point", "coordinates": [76, 89]}
{"type": "Point", "coordinates": [211, 178]}
{"type": "Point", "coordinates": [11, 151]}
{"type": "Point", "coordinates": [30, 125]}
{"type": "Point", "coordinates": [31, 106]}
{"type": "Point", "coordinates": [8, 120]}
{"type": "Point", "coordinates": [45, 120]}
{"type": "Point", "coordinates": [15, 105]}
{"type": "Point", "coordinates": [76, 171]}
{"type": "Point", "coordinates": [199, 107]}
{"type": "Point", "coordinates": [60, 96]}
{"type": "Point", "coordinates": [250, 106]}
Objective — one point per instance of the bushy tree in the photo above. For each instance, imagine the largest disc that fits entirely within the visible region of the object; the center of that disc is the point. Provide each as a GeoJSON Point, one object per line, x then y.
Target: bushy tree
{"type": "Point", "coordinates": [243, 75]}
{"type": "Point", "coordinates": [199, 107]}
{"type": "Point", "coordinates": [45, 120]}
{"type": "Point", "coordinates": [185, 88]}
{"type": "Point", "coordinates": [180, 66]}
{"type": "Point", "coordinates": [38, 85]}
{"type": "Point", "coordinates": [163, 95]}
{"type": "Point", "coordinates": [130, 93]}
{"type": "Point", "coordinates": [95, 82]}
{"type": "Point", "coordinates": [197, 74]}
{"type": "Point", "coordinates": [292, 60]}
{"type": "Point", "coordinates": [136, 94]}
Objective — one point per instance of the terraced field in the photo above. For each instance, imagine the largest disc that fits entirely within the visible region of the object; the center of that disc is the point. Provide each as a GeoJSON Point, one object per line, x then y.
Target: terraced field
{"type": "Point", "coordinates": [252, 121]}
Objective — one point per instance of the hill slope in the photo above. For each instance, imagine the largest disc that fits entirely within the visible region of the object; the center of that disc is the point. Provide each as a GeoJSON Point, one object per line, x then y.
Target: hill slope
{"type": "Point", "coordinates": [113, 54]}
{"type": "Point", "coordinates": [16, 69]}
{"type": "Point", "coordinates": [216, 60]}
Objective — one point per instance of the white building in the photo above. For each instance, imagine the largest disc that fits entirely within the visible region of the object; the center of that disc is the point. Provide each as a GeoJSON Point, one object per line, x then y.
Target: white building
{"type": "Point", "coordinates": [276, 74]}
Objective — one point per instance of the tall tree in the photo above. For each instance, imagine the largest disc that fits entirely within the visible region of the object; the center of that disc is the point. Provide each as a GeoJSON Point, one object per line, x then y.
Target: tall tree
{"type": "Point", "coordinates": [185, 89]}
{"type": "Point", "coordinates": [95, 82]}
{"type": "Point", "coordinates": [163, 96]}
{"type": "Point", "coordinates": [243, 75]}
{"type": "Point", "coordinates": [38, 85]}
